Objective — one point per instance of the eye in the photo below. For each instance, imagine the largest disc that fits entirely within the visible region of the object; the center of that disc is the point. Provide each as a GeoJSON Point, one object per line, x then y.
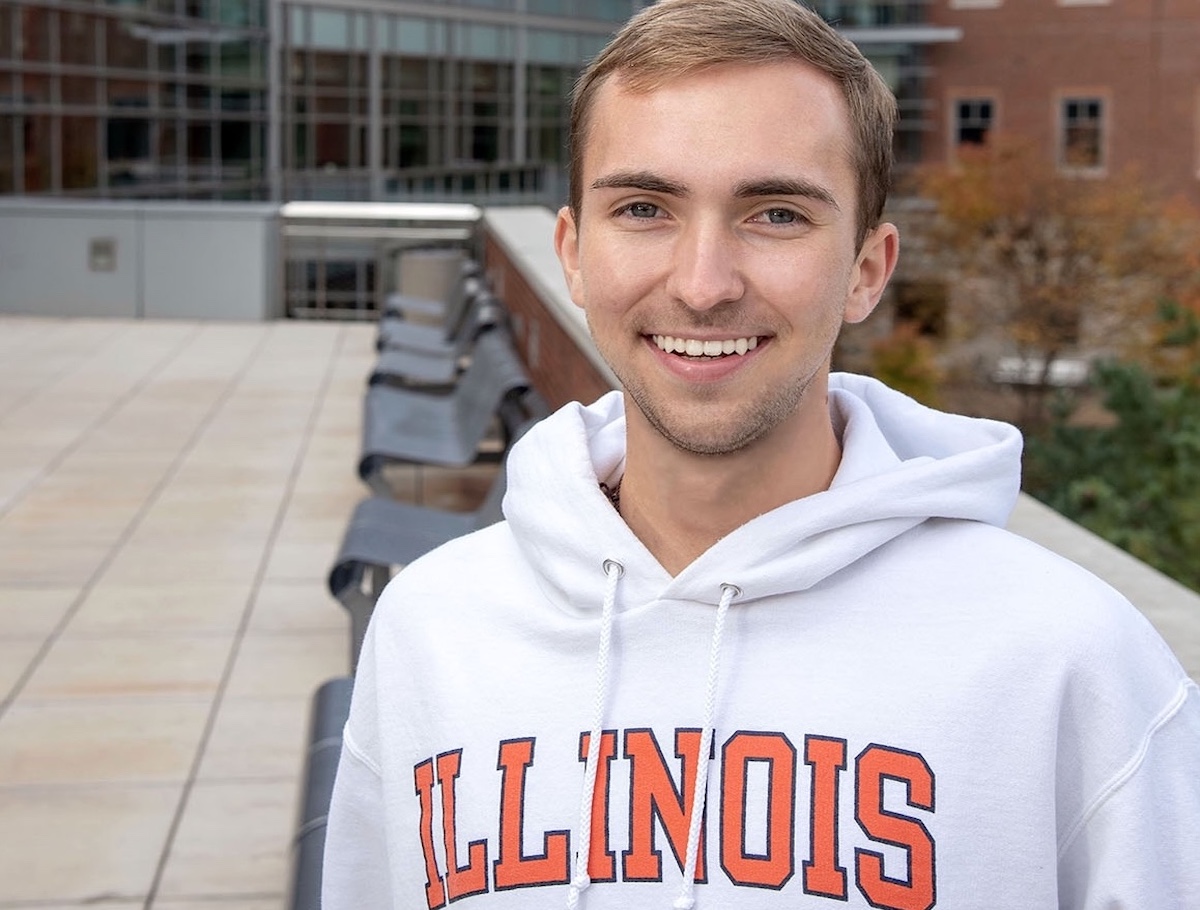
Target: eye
{"type": "Point", "coordinates": [780, 216]}
{"type": "Point", "coordinates": [640, 210]}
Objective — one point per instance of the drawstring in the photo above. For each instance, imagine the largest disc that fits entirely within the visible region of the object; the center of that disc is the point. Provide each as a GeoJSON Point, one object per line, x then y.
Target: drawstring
{"type": "Point", "coordinates": [580, 879]}
{"type": "Point", "coordinates": [686, 899]}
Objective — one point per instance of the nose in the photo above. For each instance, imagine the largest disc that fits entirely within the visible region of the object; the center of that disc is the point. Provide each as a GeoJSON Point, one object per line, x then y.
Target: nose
{"type": "Point", "coordinates": [705, 270]}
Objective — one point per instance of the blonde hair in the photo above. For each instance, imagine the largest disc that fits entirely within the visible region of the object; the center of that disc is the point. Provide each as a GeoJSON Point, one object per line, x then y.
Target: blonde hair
{"type": "Point", "coordinates": [674, 38]}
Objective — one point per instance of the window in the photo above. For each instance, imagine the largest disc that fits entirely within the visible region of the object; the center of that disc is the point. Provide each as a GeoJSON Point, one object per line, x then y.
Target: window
{"type": "Point", "coordinates": [973, 120]}
{"type": "Point", "coordinates": [1081, 145]}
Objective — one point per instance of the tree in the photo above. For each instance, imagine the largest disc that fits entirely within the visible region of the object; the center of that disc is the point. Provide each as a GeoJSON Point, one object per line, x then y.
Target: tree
{"type": "Point", "coordinates": [1057, 263]}
{"type": "Point", "coordinates": [1135, 481]}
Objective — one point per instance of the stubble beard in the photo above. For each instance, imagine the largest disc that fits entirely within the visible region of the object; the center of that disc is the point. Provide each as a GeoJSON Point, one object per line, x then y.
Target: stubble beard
{"type": "Point", "coordinates": [696, 433]}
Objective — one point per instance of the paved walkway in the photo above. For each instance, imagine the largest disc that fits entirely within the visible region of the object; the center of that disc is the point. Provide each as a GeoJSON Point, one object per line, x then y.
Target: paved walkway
{"type": "Point", "coordinates": [171, 497]}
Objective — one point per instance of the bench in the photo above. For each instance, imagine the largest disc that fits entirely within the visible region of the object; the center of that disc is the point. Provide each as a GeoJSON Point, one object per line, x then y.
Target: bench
{"type": "Point", "coordinates": [442, 362]}
{"type": "Point", "coordinates": [384, 535]}
{"type": "Point", "coordinates": [442, 335]}
{"type": "Point", "coordinates": [330, 708]}
{"type": "Point", "coordinates": [406, 425]}
{"type": "Point", "coordinates": [432, 308]}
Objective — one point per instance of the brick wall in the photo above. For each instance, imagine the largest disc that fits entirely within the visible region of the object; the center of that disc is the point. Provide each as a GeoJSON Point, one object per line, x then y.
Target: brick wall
{"type": "Point", "coordinates": [1141, 56]}
{"type": "Point", "coordinates": [560, 371]}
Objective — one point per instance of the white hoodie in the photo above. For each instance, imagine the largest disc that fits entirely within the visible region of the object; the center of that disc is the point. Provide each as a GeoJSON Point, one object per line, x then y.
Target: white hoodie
{"type": "Point", "coordinates": [907, 706]}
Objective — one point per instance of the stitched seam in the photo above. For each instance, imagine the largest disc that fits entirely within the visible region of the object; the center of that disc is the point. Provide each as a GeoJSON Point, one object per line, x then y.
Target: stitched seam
{"type": "Point", "coordinates": [357, 751]}
{"type": "Point", "coordinates": [1125, 774]}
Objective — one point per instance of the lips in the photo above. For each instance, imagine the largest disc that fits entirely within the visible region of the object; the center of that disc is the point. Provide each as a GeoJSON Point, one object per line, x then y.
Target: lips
{"type": "Point", "coordinates": [696, 347]}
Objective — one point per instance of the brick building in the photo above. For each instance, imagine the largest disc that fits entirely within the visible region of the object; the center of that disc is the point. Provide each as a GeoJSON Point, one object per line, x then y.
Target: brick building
{"type": "Point", "coordinates": [1097, 84]}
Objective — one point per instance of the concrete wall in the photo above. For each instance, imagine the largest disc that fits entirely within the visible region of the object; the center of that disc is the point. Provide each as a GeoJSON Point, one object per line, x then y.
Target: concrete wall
{"type": "Point", "coordinates": [139, 259]}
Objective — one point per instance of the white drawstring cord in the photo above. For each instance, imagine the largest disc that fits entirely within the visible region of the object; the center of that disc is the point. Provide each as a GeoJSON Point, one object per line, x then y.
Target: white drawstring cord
{"type": "Point", "coordinates": [686, 899]}
{"type": "Point", "coordinates": [579, 878]}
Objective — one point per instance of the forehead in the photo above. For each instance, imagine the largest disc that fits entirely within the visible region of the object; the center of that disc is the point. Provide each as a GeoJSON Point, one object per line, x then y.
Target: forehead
{"type": "Point", "coordinates": [726, 119]}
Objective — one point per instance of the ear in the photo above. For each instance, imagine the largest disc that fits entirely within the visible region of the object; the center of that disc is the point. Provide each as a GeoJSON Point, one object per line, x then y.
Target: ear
{"type": "Point", "coordinates": [566, 245]}
{"type": "Point", "coordinates": [874, 267]}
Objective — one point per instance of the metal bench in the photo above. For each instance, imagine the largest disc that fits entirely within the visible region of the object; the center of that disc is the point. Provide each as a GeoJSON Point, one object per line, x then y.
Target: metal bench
{"type": "Point", "coordinates": [405, 425]}
{"type": "Point", "coordinates": [330, 708]}
{"type": "Point", "coordinates": [441, 336]}
{"type": "Point", "coordinates": [441, 367]}
{"type": "Point", "coordinates": [431, 309]}
{"type": "Point", "coordinates": [384, 535]}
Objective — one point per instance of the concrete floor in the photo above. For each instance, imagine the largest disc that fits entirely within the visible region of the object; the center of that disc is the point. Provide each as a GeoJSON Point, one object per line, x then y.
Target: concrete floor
{"type": "Point", "coordinates": [172, 495]}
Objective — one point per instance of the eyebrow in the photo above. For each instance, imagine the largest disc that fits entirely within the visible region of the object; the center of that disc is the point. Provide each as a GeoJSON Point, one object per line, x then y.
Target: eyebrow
{"type": "Point", "coordinates": [785, 186]}
{"type": "Point", "coordinates": [640, 180]}
{"type": "Point", "coordinates": [746, 189]}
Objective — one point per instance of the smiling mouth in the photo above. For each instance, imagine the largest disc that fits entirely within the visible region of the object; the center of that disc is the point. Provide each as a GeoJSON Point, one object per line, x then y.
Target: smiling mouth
{"type": "Point", "coordinates": [694, 347]}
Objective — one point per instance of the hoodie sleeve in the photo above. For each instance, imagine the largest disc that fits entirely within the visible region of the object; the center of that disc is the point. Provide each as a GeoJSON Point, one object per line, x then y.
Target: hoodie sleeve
{"type": "Point", "coordinates": [356, 866]}
{"type": "Point", "coordinates": [1138, 844]}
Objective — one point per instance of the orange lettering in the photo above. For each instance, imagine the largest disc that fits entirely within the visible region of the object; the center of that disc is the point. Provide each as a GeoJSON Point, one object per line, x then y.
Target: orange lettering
{"type": "Point", "coordinates": [652, 794]}
{"type": "Point", "coordinates": [435, 894]}
{"type": "Point", "coordinates": [602, 865]}
{"type": "Point", "coordinates": [461, 881]}
{"type": "Point", "coordinates": [822, 874]}
{"type": "Point", "coordinates": [513, 869]}
{"type": "Point", "coordinates": [875, 765]}
{"type": "Point", "coordinates": [778, 865]}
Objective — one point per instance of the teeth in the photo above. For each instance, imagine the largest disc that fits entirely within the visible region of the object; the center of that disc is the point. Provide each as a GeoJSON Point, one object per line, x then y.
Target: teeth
{"type": "Point", "coordinates": [694, 347]}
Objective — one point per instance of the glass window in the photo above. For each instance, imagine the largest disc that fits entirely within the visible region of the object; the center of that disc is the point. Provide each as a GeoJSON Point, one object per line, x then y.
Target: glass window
{"type": "Point", "coordinates": [7, 164]}
{"type": "Point", "coordinates": [418, 36]}
{"type": "Point", "coordinates": [590, 46]}
{"type": "Point", "coordinates": [330, 29]}
{"type": "Point", "coordinates": [80, 153]}
{"type": "Point", "coordinates": [297, 25]}
{"type": "Point", "coordinates": [79, 90]}
{"type": "Point", "coordinates": [77, 38]}
{"type": "Point", "coordinates": [973, 120]}
{"type": "Point", "coordinates": [125, 45]}
{"type": "Point", "coordinates": [8, 16]}
{"type": "Point", "coordinates": [198, 9]}
{"type": "Point", "coordinates": [553, 47]}
{"type": "Point", "coordinates": [1082, 139]}
{"type": "Point", "coordinates": [199, 149]}
{"type": "Point", "coordinates": [241, 61]}
{"type": "Point", "coordinates": [238, 13]}
{"type": "Point", "coordinates": [332, 144]}
{"type": "Point", "coordinates": [36, 139]}
{"type": "Point", "coordinates": [484, 42]}
{"type": "Point", "coordinates": [35, 33]}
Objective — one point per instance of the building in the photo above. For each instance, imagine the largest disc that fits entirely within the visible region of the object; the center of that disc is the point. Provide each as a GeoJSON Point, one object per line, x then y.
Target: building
{"type": "Point", "coordinates": [336, 99]}
{"type": "Point", "coordinates": [1098, 85]}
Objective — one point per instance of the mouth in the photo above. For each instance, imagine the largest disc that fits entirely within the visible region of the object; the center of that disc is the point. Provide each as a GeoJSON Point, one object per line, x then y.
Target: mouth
{"type": "Point", "coordinates": [710, 349]}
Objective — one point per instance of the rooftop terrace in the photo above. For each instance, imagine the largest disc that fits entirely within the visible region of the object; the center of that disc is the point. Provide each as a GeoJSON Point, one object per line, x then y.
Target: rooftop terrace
{"type": "Point", "coordinates": [172, 495]}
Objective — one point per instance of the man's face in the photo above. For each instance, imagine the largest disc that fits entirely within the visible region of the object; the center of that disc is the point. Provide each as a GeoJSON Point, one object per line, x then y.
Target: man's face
{"type": "Point", "coordinates": [714, 254]}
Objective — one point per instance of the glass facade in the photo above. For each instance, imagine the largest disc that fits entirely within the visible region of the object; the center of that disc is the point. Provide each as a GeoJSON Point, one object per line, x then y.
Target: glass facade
{"type": "Point", "coordinates": [137, 98]}
{"type": "Point", "coordinates": [375, 100]}
{"type": "Point", "coordinates": [385, 104]}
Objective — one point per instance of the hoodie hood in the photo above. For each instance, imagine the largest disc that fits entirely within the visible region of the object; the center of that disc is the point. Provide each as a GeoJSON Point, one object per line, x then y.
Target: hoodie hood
{"type": "Point", "coordinates": [902, 463]}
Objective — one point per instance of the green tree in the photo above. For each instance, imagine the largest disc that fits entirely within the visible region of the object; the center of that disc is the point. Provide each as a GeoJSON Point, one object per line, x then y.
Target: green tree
{"type": "Point", "coordinates": [1136, 480]}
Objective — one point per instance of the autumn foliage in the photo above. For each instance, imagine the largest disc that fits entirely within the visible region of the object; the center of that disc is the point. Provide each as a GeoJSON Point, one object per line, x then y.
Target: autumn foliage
{"type": "Point", "coordinates": [1060, 263]}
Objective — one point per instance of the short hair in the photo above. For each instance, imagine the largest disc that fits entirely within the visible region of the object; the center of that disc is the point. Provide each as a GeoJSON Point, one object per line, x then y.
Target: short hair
{"type": "Point", "coordinates": [674, 38]}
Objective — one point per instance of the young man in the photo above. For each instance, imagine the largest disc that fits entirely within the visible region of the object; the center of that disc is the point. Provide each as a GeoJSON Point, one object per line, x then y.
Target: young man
{"type": "Point", "coordinates": [752, 635]}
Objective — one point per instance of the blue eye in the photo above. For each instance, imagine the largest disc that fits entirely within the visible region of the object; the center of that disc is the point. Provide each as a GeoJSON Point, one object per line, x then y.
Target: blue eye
{"type": "Point", "coordinates": [642, 209]}
{"type": "Point", "coordinates": [781, 216]}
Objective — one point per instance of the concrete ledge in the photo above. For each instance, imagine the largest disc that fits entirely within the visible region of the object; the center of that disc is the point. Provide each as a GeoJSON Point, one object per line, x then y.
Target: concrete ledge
{"type": "Point", "coordinates": [1173, 608]}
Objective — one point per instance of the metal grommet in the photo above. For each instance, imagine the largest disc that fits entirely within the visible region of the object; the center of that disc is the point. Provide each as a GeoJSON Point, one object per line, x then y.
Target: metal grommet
{"type": "Point", "coordinates": [610, 564]}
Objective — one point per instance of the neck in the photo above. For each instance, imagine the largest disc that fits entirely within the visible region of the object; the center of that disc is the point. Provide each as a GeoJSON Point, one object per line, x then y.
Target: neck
{"type": "Point", "coordinates": [679, 504]}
